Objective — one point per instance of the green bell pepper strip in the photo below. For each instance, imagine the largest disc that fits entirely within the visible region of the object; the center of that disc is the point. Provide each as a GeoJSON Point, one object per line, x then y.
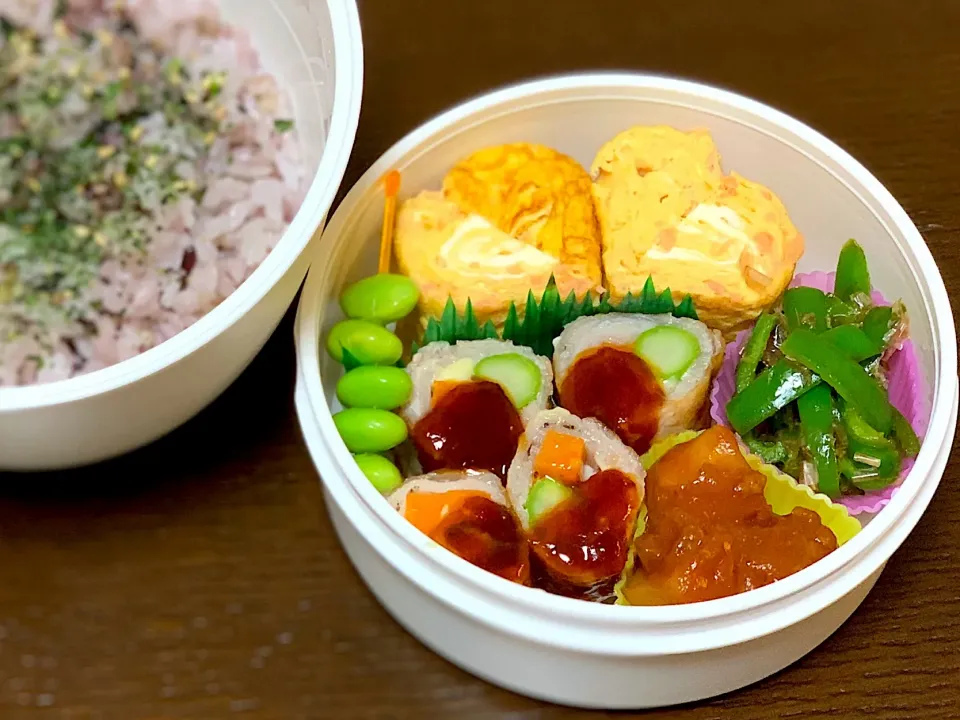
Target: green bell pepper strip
{"type": "Point", "coordinates": [853, 342]}
{"type": "Point", "coordinates": [877, 323]}
{"type": "Point", "coordinates": [867, 477]}
{"type": "Point", "coordinates": [860, 432]}
{"type": "Point", "coordinates": [843, 374]}
{"type": "Point", "coordinates": [905, 435]}
{"type": "Point", "coordinates": [889, 459]}
{"type": "Point", "coordinates": [853, 275]}
{"type": "Point", "coordinates": [805, 307]}
{"type": "Point", "coordinates": [816, 422]}
{"type": "Point", "coordinates": [754, 348]}
{"type": "Point", "coordinates": [864, 441]}
{"type": "Point", "coordinates": [840, 312]}
{"type": "Point", "coordinates": [781, 384]}
{"type": "Point", "coordinates": [904, 439]}
{"type": "Point", "coordinates": [774, 389]}
{"type": "Point", "coordinates": [772, 452]}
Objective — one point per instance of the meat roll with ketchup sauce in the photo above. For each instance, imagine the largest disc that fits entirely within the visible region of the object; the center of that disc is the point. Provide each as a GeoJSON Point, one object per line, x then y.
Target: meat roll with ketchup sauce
{"type": "Point", "coordinates": [576, 490]}
{"type": "Point", "coordinates": [470, 402]}
{"type": "Point", "coordinates": [467, 513]}
{"type": "Point", "coordinates": [643, 376]}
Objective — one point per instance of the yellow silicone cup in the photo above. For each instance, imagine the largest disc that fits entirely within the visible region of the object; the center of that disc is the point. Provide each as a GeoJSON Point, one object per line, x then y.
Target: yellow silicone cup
{"type": "Point", "coordinates": [782, 492]}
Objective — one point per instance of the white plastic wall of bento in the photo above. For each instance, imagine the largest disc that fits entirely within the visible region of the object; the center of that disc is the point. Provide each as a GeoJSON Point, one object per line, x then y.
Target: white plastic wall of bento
{"type": "Point", "coordinates": [112, 411]}
{"type": "Point", "coordinates": [594, 680]}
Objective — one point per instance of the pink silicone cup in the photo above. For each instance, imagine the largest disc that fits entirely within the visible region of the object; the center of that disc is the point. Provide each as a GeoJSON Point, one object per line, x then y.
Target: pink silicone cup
{"type": "Point", "coordinates": [907, 393]}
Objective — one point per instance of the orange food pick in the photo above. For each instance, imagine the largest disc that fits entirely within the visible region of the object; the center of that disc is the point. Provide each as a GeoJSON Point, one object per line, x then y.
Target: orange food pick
{"type": "Point", "coordinates": [391, 187]}
{"type": "Point", "coordinates": [425, 511]}
{"type": "Point", "coordinates": [560, 457]}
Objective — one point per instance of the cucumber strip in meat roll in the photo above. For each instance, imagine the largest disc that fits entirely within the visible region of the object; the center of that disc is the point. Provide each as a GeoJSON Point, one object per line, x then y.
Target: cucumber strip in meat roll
{"type": "Point", "coordinates": [643, 376]}
{"type": "Point", "coordinates": [467, 513]}
{"type": "Point", "coordinates": [470, 402]}
{"type": "Point", "coordinates": [576, 489]}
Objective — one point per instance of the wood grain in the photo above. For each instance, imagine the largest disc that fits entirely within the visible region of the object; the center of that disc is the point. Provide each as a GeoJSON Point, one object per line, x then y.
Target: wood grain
{"type": "Point", "coordinates": [200, 578]}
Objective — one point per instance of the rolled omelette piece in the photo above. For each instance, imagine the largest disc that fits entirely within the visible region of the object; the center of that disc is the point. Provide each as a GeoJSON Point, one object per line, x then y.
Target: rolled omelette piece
{"type": "Point", "coordinates": [535, 194]}
{"type": "Point", "coordinates": [576, 490]}
{"type": "Point", "coordinates": [470, 402]}
{"type": "Point", "coordinates": [467, 513]}
{"type": "Point", "coordinates": [643, 376]}
{"type": "Point", "coordinates": [508, 218]}
{"type": "Point", "coordinates": [668, 211]}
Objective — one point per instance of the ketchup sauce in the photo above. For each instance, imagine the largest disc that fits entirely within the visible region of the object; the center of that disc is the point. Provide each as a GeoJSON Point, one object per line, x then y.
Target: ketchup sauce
{"type": "Point", "coordinates": [581, 545]}
{"type": "Point", "coordinates": [473, 425]}
{"type": "Point", "coordinates": [617, 388]}
{"type": "Point", "coordinates": [487, 535]}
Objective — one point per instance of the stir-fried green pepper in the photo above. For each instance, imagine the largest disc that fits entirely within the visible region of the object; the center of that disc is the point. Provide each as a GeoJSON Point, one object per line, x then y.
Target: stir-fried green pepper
{"type": "Point", "coordinates": [843, 374]}
{"type": "Point", "coordinates": [774, 389]}
{"type": "Point", "coordinates": [877, 324]}
{"type": "Point", "coordinates": [906, 437]}
{"type": "Point", "coordinates": [816, 422]}
{"type": "Point", "coordinates": [753, 349]}
{"type": "Point", "coordinates": [840, 312]}
{"type": "Point", "coordinates": [772, 452]}
{"type": "Point", "coordinates": [805, 307]}
{"type": "Point", "coordinates": [828, 358]}
{"type": "Point", "coordinates": [876, 458]}
{"type": "Point", "coordinates": [853, 275]}
{"type": "Point", "coordinates": [853, 342]}
{"type": "Point", "coordinates": [859, 431]}
{"type": "Point", "coordinates": [781, 384]}
{"type": "Point", "coordinates": [871, 468]}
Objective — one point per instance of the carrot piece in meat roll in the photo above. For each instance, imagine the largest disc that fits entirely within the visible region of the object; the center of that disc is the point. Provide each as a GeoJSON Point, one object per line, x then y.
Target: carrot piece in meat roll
{"type": "Point", "coordinates": [643, 376]}
{"type": "Point", "coordinates": [467, 513]}
{"type": "Point", "coordinates": [470, 402]}
{"type": "Point", "coordinates": [576, 490]}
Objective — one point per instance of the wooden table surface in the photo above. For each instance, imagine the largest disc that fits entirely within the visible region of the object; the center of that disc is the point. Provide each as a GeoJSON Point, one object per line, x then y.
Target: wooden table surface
{"type": "Point", "coordinates": [200, 577]}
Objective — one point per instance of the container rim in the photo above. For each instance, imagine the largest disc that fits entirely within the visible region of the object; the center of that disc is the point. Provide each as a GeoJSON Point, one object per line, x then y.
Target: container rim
{"type": "Point", "coordinates": [344, 118]}
{"type": "Point", "coordinates": [874, 544]}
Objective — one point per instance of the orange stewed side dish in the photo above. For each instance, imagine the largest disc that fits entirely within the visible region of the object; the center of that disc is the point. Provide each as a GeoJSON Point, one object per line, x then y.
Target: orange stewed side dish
{"type": "Point", "coordinates": [710, 533]}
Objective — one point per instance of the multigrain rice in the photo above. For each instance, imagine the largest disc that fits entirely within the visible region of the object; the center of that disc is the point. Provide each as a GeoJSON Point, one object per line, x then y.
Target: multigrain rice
{"type": "Point", "coordinates": [188, 190]}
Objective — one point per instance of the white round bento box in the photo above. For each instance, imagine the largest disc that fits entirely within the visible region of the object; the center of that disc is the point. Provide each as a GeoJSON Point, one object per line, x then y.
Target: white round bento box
{"type": "Point", "coordinates": [314, 47]}
{"type": "Point", "coordinates": [573, 652]}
